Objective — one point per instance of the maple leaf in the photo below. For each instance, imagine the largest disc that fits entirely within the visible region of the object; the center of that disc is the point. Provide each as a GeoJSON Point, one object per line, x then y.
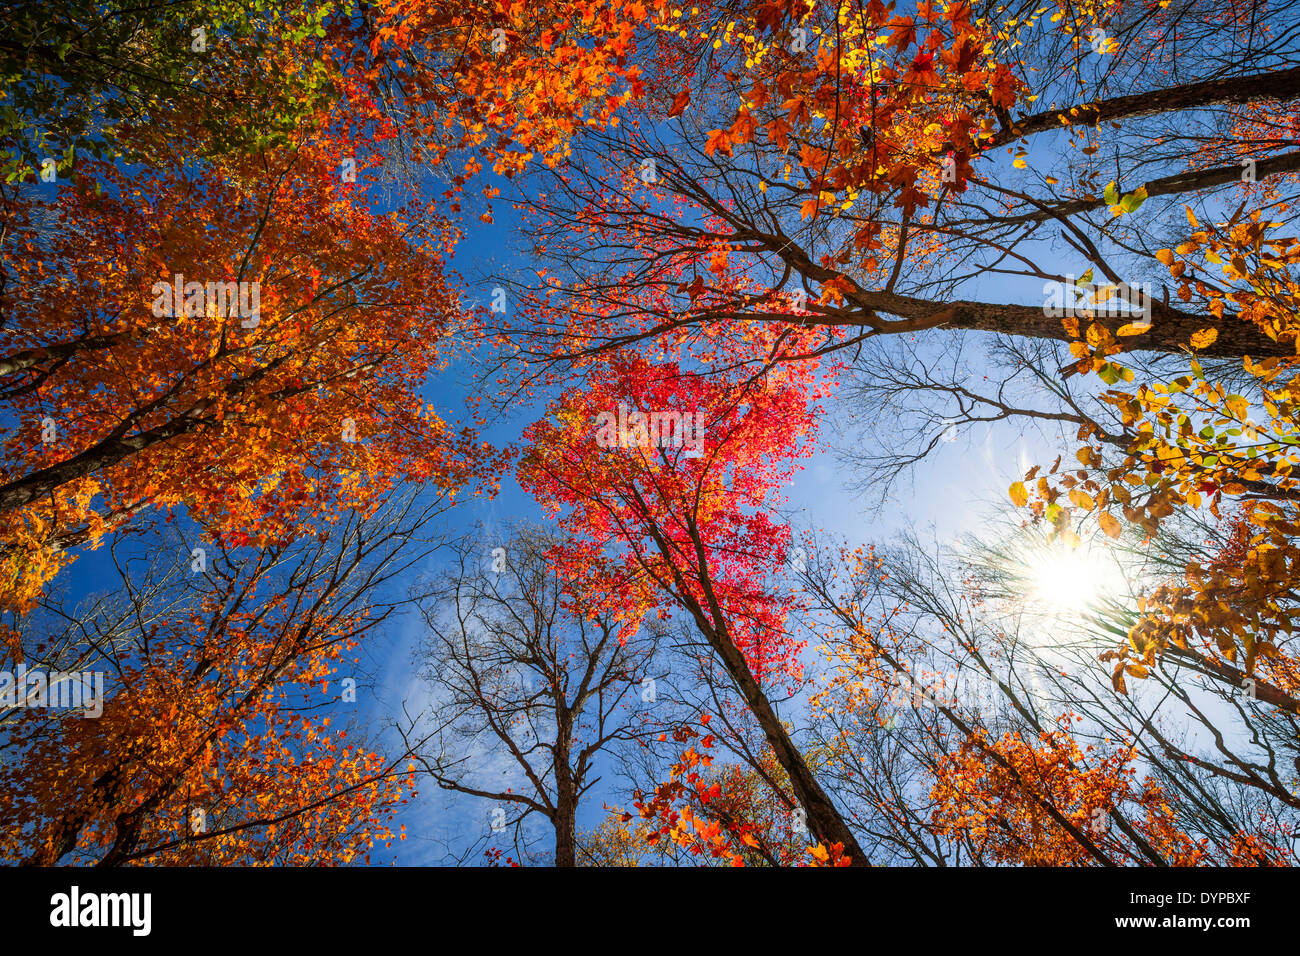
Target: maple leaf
{"type": "Point", "coordinates": [779, 132]}
{"type": "Point", "coordinates": [903, 34]}
{"type": "Point", "coordinates": [961, 56]}
{"type": "Point", "coordinates": [718, 139]}
{"type": "Point", "coordinates": [811, 157]}
{"type": "Point", "coordinates": [694, 288]}
{"type": "Point", "coordinates": [769, 16]}
{"type": "Point", "coordinates": [834, 290]}
{"type": "Point", "coordinates": [742, 130]}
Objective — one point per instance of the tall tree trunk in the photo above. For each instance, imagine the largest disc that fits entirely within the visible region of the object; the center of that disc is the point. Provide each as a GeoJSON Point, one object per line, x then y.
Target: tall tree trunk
{"type": "Point", "coordinates": [566, 804]}
{"type": "Point", "coordinates": [27, 358]}
{"type": "Point", "coordinates": [1171, 329]}
{"type": "Point", "coordinates": [566, 840]}
{"type": "Point", "coordinates": [119, 444]}
{"type": "Point", "coordinates": [824, 820]}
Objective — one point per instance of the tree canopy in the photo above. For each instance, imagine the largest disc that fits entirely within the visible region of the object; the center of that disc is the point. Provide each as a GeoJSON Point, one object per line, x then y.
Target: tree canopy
{"type": "Point", "coordinates": [292, 293]}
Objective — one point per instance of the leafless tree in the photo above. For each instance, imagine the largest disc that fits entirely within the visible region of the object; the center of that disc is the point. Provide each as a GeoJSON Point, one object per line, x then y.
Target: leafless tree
{"type": "Point", "coordinates": [525, 680]}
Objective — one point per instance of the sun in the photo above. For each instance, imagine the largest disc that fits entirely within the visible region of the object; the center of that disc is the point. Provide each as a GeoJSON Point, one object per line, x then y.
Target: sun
{"type": "Point", "coordinates": [1071, 579]}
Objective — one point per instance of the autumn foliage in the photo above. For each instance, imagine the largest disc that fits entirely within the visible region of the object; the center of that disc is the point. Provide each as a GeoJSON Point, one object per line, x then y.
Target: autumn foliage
{"type": "Point", "coordinates": [743, 237]}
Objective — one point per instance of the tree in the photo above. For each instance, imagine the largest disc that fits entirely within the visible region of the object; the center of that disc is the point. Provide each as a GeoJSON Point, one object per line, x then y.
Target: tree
{"type": "Point", "coordinates": [851, 162]}
{"type": "Point", "coordinates": [494, 80]}
{"type": "Point", "coordinates": [79, 77]}
{"type": "Point", "coordinates": [203, 337]}
{"type": "Point", "coordinates": [964, 735]}
{"type": "Point", "coordinates": [207, 750]}
{"type": "Point", "coordinates": [517, 660]}
{"type": "Point", "coordinates": [1179, 442]}
{"type": "Point", "coordinates": [612, 843]}
{"type": "Point", "coordinates": [689, 518]}
{"type": "Point", "coordinates": [732, 812]}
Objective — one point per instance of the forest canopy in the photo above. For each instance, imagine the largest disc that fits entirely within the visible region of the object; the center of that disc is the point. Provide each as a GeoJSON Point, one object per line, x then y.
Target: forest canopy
{"type": "Point", "coordinates": [609, 433]}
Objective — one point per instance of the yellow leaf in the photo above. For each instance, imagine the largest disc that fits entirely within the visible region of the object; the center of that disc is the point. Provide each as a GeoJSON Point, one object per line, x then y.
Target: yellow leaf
{"type": "Point", "coordinates": [1019, 496]}
{"type": "Point", "coordinates": [1109, 524]}
{"type": "Point", "coordinates": [1204, 338]}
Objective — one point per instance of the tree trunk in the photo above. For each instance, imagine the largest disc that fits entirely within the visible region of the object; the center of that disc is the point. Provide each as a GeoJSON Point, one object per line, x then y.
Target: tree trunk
{"type": "Point", "coordinates": [1189, 182]}
{"type": "Point", "coordinates": [1277, 85]}
{"type": "Point", "coordinates": [1171, 329]}
{"type": "Point", "coordinates": [20, 361]}
{"type": "Point", "coordinates": [566, 807]}
{"type": "Point", "coordinates": [824, 820]}
{"type": "Point", "coordinates": [104, 454]}
{"type": "Point", "coordinates": [118, 445]}
{"type": "Point", "coordinates": [566, 841]}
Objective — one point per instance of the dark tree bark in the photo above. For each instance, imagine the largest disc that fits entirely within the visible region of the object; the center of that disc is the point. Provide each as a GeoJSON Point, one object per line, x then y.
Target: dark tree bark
{"type": "Point", "coordinates": [1277, 85]}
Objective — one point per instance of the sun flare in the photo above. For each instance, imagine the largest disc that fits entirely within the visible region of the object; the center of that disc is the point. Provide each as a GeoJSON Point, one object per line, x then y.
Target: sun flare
{"type": "Point", "coordinates": [1071, 579]}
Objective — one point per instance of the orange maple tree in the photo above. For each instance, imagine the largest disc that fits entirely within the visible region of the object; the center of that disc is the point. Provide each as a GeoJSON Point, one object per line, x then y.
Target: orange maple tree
{"type": "Point", "coordinates": [297, 392]}
{"type": "Point", "coordinates": [210, 746]}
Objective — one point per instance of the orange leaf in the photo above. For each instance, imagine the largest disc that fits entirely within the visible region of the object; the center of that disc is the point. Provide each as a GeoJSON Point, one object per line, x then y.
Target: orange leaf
{"type": "Point", "coordinates": [718, 139]}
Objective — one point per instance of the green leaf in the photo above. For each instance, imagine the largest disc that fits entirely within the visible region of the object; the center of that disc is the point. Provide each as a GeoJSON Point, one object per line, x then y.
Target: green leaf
{"type": "Point", "coordinates": [1134, 200]}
